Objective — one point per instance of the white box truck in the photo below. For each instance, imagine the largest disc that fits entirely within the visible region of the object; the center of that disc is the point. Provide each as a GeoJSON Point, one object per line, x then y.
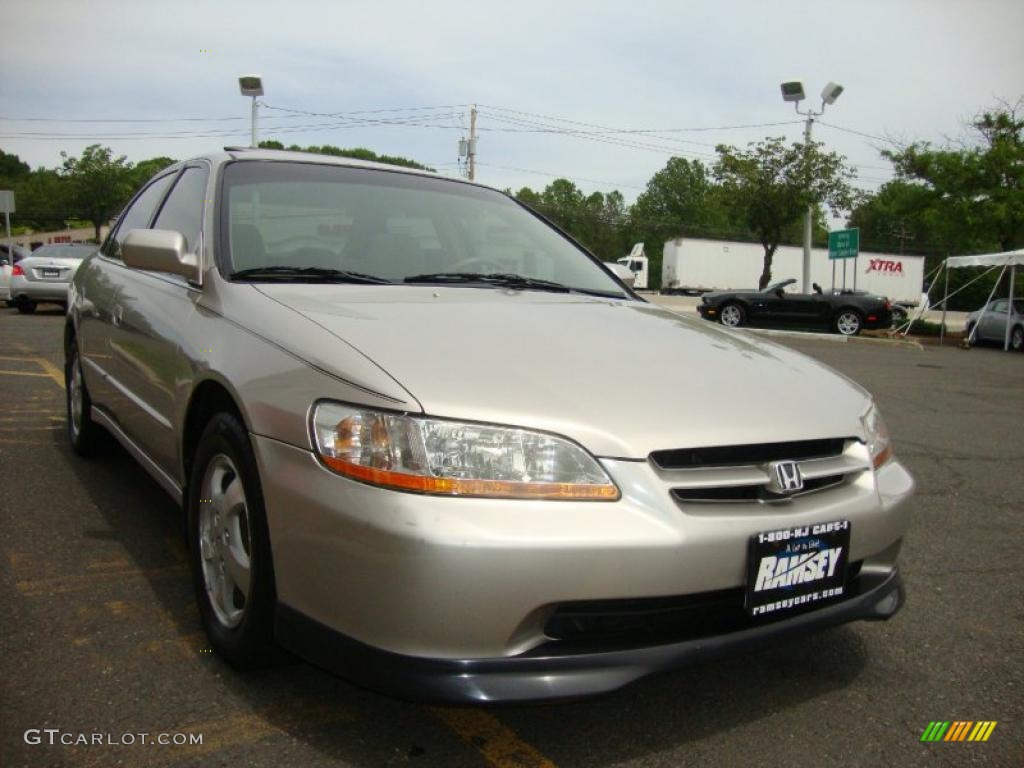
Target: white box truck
{"type": "Point", "coordinates": [636, 262]}
{"type": "Point", "coordinates": [693, 265]}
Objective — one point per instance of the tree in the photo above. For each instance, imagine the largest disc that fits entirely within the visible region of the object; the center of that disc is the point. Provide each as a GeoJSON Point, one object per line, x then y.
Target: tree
{"type": "Point", "coordinates": [980, 186]}
{"type": "Point", "coordinates": [42, 200]}
{"type": "Point", "coordinates": [98, 184]}
{"type": "Point", "coordinates": [12, 167]}
{"type": "Point", "coordinates": [358, 153]}
{"type": "Point", "coordinates": [144, 170]}
{"type": "Point", "coordinates": [599, 221]}
{"type": "Point", "coordinates": [770, 185]}
{"type": "Point", "coordinates": [963, 198]}
{"type": "Point", "coordinates": [680, 199]}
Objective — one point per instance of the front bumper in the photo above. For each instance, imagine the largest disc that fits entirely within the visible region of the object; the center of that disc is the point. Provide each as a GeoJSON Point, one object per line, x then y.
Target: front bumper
{"type": "Point", "coordinates": [540, 675]}
{"type": "Point", "coordinates": [447, 584]}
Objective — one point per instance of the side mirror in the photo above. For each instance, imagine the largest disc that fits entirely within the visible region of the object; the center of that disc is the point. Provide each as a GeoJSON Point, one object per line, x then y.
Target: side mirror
{"type": "Point", "coordinates": [160, 250]}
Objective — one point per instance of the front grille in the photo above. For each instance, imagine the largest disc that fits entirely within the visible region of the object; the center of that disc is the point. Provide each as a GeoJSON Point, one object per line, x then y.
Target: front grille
{"type": "Point", "coordinates": [752, 492]}
{"type": "Point", "coordinates": [755, 453]}
{"type": "Point", "coordinates": [602, 625]}
{"type": "Point", "coordinates": [742, 474]}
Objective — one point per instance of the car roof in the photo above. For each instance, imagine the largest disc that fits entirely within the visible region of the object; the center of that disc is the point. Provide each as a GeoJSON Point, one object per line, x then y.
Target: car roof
{"type": "Point", "coordinates": [249, 153]}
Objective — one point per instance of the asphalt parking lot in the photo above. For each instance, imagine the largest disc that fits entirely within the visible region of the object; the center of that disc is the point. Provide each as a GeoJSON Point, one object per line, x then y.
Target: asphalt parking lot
{"type": "Point", "coordinates": [99, 634]}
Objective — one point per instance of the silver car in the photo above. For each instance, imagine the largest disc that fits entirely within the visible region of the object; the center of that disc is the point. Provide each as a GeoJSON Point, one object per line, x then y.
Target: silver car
{"type": "Point", "coordinates": [44, 275]}
{"type": "Point", "coordinates": [988, 324]}
{"type": "Point", "coordinates": [388, 403]}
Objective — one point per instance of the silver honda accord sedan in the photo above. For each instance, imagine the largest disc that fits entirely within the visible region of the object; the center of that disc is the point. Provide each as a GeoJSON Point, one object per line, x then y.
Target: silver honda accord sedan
{"type": "Point", "coordinates": [391, 407]}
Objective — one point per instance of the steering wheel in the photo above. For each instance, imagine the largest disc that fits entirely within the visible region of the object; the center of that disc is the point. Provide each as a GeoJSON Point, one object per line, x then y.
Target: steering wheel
{"type": "Point", "coordinates": [475, 264]}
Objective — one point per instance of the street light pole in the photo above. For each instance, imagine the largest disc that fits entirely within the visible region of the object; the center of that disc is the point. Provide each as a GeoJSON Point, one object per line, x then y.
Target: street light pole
{"type": "Point", "coordinates": [809, 213]}
{"type": "Point", "coordinates": [252, 85]}
{"type": "Point", "coordinates": [794, 91]}
{"type": "Point", "coordinates": [255, 142]}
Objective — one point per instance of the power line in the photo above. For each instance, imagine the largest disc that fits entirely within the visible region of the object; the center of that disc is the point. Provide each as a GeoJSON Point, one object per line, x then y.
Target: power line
{"type": "Point", "coordinates": [858, 133]}
{"type": "Point", "coordinates": [559, 176]}
{"type": "Point", "coordinates": [296, 112]}
{"type": "Point", "coordinates": [643, 130]}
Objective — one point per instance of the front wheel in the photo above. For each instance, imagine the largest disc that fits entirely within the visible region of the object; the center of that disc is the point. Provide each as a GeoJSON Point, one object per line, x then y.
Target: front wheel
{"type": "Point", "coordinates": [87, 438]}
{"type": "Point", "coordinates": [732, 315]}
{"type": "Point", "coordinates": [229, 546]}
{"type": "Point", "coordinates": [848, 322]}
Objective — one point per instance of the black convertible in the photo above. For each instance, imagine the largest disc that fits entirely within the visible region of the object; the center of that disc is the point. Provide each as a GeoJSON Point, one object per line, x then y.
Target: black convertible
{"type": "Point", "coordinates": [845, 312]}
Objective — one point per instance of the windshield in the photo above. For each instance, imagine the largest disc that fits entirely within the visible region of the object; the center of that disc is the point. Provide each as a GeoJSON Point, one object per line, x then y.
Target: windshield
{"type": "Point", "coordinates": [308, 222]}
{"type": "Point", "coordinates": [779, 285]}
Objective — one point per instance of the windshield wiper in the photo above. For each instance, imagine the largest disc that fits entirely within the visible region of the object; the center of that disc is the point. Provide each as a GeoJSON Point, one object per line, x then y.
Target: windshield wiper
{"type": "Point", "coordinates": [504, 280]}
{"type": "Point", "coordinates": [308, 274]}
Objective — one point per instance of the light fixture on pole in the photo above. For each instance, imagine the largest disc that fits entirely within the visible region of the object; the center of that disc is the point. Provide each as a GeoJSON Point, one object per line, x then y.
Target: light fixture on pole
{"type": "Point", "coordinates": [252, 85]}
{"type": "Point", "coordinates": [794, 91]}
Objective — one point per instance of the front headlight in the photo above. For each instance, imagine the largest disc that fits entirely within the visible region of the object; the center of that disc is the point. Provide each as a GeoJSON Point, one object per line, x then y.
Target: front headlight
{"type": "Point", "coordinates": [413, 453]}
{"type": "Point", "coordinates": [879, 444]}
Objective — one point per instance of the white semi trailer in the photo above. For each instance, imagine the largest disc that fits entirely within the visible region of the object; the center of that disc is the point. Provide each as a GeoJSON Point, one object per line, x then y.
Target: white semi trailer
{"type": "Point", "coordinates": [693, 265]}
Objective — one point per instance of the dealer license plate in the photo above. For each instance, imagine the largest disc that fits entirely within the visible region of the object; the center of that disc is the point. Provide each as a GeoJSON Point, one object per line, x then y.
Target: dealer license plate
{"type": "Point", "coordinates": [794, 568]}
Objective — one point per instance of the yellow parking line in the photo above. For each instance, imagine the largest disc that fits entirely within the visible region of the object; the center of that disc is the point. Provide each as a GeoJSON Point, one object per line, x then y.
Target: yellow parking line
{"type": "Point", "coordinates": [285, 718]}
{"type": "Point", "coordinates": [497, 743]}
{"type": "Point", "coordinates": [24, 373]}
{"type": "Point", "coordinates": [49, 368]}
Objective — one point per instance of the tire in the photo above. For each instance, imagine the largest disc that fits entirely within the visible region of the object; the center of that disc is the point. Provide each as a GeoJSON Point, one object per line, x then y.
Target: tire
{"type": "Point", "coordinates": [969, 339]}
{"type": "Point", "coordinates": [899, 315]}
{"type": "Point", "coordinates": [848, 322]}
{"type": "Point", "coordinates": [1017, 338]}
{"type": "Point", "coordinates": [732, 315]}
{"type": "Point", "coordinates": [87, 438]}
{"type": "Point", "coordinates": [26, 306]}
{"type": "Point", "coordinates": [229, 544]}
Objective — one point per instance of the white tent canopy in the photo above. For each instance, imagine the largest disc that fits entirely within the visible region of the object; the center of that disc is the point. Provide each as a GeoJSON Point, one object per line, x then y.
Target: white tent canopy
{"type": "Point", "coordinates": [1004, 259]}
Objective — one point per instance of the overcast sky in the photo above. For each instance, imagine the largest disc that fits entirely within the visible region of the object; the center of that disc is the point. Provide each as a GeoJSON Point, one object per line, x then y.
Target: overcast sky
{"type": "Point", "coordinates": [912, 70]}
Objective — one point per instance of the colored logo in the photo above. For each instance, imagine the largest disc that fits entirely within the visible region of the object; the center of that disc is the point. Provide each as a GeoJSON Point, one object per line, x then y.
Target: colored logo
{"type": "Point", "coordinates": [958, 730]}
{"type": "Point", "coordinates": [886, 266]}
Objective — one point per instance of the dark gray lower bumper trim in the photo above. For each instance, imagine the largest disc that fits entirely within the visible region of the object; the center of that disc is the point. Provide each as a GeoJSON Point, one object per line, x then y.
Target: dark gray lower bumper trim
{"type": "Point", "coordinates": [536, 677]}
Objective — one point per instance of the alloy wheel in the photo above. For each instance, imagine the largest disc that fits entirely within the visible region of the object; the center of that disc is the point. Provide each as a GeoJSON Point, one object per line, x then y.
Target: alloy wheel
{"type": "Point", "coordinates": [731, 316]}
{"type": "Point", "coordinates": [848, 323]}
{"type": "Point", "coordinates": [224, 542]}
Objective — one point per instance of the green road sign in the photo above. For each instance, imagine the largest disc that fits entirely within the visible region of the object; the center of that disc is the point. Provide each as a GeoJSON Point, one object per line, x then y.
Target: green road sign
{"type": "Point", "coordinates": [844, 244]}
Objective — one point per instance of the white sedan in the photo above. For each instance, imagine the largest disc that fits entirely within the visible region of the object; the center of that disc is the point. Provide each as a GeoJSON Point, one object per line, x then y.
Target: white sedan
{"type": "Point", "coordinates": [44, 276]}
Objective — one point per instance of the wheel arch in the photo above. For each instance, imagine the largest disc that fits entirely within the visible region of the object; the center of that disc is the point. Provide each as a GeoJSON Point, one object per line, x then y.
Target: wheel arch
{"type": "Point", "coordinates": [849, 308]}
{"type": "Point", "coordinates": [209, 397]}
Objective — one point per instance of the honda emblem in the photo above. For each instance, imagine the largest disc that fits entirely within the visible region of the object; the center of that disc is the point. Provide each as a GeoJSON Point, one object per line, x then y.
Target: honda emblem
{"type": "Point", "coordinates": [785, 477]}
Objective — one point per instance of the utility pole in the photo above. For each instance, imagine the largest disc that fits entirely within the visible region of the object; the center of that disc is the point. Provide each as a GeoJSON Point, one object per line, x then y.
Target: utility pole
{"type": "Point", "coordinates": [472, 143]}
{"type": "Point", "coordinates": [902, 234]}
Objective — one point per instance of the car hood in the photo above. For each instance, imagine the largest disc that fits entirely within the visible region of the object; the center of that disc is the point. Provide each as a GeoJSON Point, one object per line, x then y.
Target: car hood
{"type": "Point", "coordinates": [621, 377]}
